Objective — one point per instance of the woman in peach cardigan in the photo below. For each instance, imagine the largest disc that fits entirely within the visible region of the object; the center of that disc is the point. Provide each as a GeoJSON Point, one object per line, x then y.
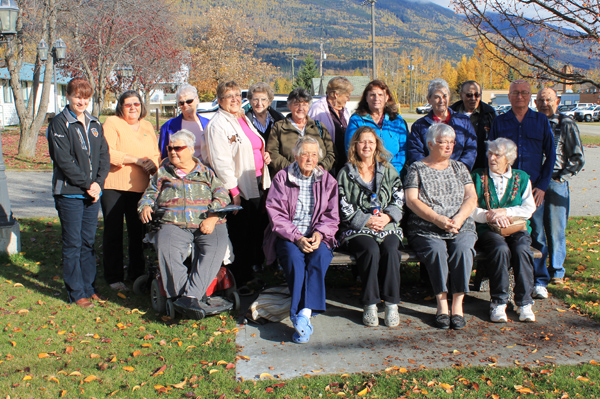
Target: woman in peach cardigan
{"type": "Point", "coordinates": [134, 156]}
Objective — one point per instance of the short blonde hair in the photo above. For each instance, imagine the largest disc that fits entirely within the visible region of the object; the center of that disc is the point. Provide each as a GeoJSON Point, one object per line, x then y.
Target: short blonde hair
{"type": "Point", "coordinates": [340, 85]}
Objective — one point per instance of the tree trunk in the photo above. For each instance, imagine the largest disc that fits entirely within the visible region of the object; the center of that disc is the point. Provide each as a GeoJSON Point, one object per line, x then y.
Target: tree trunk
{"type": "Point", "coordinates": [28, 140]}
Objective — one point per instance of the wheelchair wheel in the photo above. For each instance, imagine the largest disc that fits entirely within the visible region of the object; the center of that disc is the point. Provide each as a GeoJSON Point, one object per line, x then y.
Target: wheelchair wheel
{"type": "Point", "coordinates": [158, 301]}
{"type": "Point", "coordinates": [140, 285]}
{"type": "Point", "coordinates": [169, 308]}
{"type": "Point", "coordinates": [234, 297]}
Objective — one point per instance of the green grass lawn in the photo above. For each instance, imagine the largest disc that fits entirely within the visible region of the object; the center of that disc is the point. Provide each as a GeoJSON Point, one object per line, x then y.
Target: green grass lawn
{"type": "Point", "coordinates": [51, 349]}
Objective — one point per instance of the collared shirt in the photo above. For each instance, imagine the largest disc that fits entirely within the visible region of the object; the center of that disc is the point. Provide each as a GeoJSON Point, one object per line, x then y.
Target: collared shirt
{"type": "Point", "coordinates": [301, 131]}
{"type": "Point", "coordinates": [535, 143]}
{"type": "Point", "coordinates": [306, 200]}
{"type": "Point", "coordinates": [259, 125]}
{"type": "Point", "coordinates": [525, 210]}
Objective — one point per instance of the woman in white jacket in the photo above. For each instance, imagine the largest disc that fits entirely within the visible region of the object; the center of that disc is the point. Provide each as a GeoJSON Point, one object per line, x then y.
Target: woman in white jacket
{"type": "Point", "coordinates": [236, 152]}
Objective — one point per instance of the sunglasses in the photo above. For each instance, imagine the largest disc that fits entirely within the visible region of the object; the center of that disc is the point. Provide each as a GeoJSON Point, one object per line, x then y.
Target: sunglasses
{"type": "Point", "coordinates": [471, 95]}
{"type": "Point", "coordinates": [177, 148]}
{"type": "Point", "coordinates": [188, 102]}
{"type": "Point", "coordinates": [132, 105]}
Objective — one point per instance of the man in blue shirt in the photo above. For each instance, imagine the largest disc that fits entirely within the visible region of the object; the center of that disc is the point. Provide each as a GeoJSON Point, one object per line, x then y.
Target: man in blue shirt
{"type": "Point", "coordinates": [533, 136]}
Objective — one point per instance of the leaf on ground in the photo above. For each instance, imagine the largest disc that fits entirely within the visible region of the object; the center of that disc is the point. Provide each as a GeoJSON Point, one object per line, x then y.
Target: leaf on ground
{"type": "Point", "coordinates": [43, 355]}
{"type": "Point", "coordinates": [159, 370]}
{"type": "Point", "coordinates": [62, 393]}
{"type": "Point", "coordinates": [13, 343]}
{"type": "Point", "coordinates": [146, 345]}
{"type": "Point", "coordinates": [22, 311]}
{"type": "Point", "coordinates": [363, 392]}
{"type": "Point", "coordinates": [90, 378]}
{"type": "Point", "coordinates": [561, 310]}
{"type": "Point", "coordinates": [121, 295]}
{"type": "Point", "coordinates": [220, 362]}
{"type": "Point", "coordinates": [137, 353]}
{"type": "Point", "coordinates": [94, 355]}
{"type": "Point", "coordinates": [128, 368]}
{"type": "Point", "coordinates": [181, 385]}
{"type": "Point", "coordinates": [595, 363]}
{"type": "Point", "coordinates": [135, 387]}
{"type": "Point", "coordinates": [68, 349]}
{"type": "Point", "coordinates": [75, 373]}
{"type": "Point", "coordinates": [580, 378]}
{"type": "Point", "coordinates": [27, 377]}
{"type": "Point", "coordinates": [212, 371]}
{"type": "Point", "coordinates": [17, 285]}
{"type": "Point", "coordinates": [266, 376]}
{"type": "Point", "coordinates": [138, 311]}
{"type": "Point", "coordinates": [53, 379]}
{"type": "Point", "coordinates": [522, 389]}
{"type": "Point", "coordinates": [148, 336]}
{"type": "Point", "coordinates": [230, 366]}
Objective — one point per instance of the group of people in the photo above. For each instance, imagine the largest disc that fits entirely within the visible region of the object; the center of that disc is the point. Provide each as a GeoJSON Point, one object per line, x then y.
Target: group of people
{"type": "Point", "coordinates": [316, 179]}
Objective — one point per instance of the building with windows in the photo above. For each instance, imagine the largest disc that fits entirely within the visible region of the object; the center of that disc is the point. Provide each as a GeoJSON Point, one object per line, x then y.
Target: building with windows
{"type": "Point", "coordinates": [8, 112]}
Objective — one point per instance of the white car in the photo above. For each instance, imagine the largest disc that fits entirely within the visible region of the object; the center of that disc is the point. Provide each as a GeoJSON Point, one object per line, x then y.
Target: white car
{"type": "Point", "coordinates": [424, 109]}
{"type": "Point", "coordinates": [587, 114]}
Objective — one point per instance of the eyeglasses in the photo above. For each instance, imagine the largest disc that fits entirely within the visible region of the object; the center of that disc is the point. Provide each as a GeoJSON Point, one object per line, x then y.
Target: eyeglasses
{"type": "Point", "coordinates": [177, 148]}
{"type": "Point", "coordinates": [299, 104]}
{"type": "Point", "coordinates": [259, 100]}
{"type": "Point", "coordinates": [445, 142]}
{"type": "Point", "coordinates": [131, 105]}
{"type": "Point", "coordinates": [520, 93]}
{"type": "Point", "coordinates": [471, 95]}
{"type": "Point", "coordinates": [232, 96]}
{"type": "Point", "coordinates": [366, 142]}
{"type": "Point", "coordinates": [188, 102]}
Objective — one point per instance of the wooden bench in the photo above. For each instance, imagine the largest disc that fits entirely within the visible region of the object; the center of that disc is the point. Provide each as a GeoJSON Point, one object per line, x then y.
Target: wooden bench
{"type": "Point", "coordinates": [407, 255]}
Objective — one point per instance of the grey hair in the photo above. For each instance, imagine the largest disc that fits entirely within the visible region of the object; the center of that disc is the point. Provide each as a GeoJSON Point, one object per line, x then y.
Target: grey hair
{"type": "Point", "coordinates": [299, 147]}
{"type": "Point", "coordinates": [435, 85]}
{"type": "Point", "coordinates": [186, 136]}
{"type": "Point", "coordinates": [185, 89]}
{"type": "Point", "coordinates": [503, 146]}
{"type": "Point", "coordinates": [470, 83]}
{"type": "Point", "coordinates": [439, 130]}
{"type": "Point", "coordinates": [299, 94]}
{"type": "Point", "coordinates": [261, 87]}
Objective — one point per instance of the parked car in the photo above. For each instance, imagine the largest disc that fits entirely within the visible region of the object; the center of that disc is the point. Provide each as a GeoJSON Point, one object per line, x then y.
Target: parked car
{"type": "Point", "coordinates": [563, 108]}
{"type": "Point", "coordinates": [424, 109]}
{"type": "Point", "coordinates": [209, 112]}
{"type": "Point", "coordinates": [587, 114]}
{"type": "Point", "coordinates": [579, 107]}
{"type": "Point", "coordinates": [500, 109]}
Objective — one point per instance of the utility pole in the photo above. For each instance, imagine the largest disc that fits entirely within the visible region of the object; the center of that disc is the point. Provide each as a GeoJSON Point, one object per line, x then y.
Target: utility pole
{"type": "Point", "coordinates": [292, 57]}
{"type": "Point", "coordinates": [322, 57]}
{"type": "Point", "coordinates": [411, 66]}
{"type": "Point", "coordinates": [372, 2]}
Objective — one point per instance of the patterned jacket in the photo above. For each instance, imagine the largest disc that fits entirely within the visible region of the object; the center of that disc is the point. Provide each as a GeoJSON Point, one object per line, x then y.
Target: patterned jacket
{"type": "Point", "coordinates": [185, 201]}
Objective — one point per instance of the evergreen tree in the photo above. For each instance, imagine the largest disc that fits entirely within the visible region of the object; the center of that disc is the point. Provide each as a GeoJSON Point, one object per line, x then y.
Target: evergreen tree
{"type": "Point", "coordinates": [308, 71]}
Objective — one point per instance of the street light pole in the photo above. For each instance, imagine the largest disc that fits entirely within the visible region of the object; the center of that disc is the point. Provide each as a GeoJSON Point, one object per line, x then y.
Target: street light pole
{"type": "Point", "coordinates": [372, 2]}
{"type": "Point", "coordinates": [10, 235]}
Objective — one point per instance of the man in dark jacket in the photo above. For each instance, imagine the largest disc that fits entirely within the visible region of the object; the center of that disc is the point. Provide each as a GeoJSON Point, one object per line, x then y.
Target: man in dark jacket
{"type": "Point", "coordinates": [569, 161]}
{"type": "Point", "coordinates": [481, 114]}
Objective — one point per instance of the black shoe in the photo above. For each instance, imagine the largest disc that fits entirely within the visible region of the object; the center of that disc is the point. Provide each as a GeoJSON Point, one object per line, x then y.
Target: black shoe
{"type": "Point", "coordinates": [190, 307]}
{"type": "Point", "coordinates": [458, 322]}
{"type": "Point", "coordinates": [216, 305]}
{"type": "Point", "coordinates": [442, 321]}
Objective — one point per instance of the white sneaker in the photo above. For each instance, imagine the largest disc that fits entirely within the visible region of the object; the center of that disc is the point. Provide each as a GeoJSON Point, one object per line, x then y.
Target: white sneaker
{"type": "Point", "coordinates": [498, 313]}
{"type": "Point", "coordinates": [119, 286]}
{"type": "Point", "coordinates": [539, 292]}
{"type": "Point", "coordinates": [370, 317]}
{"type": "Point", "coordinates": [526, 313]}
{"type": "Point", "coordinates": [392, 317]}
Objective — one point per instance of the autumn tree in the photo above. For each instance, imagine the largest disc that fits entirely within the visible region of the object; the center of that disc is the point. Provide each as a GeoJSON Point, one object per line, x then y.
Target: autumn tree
{"type": "Point", "coordinates": [106, 34]}
{"type": "Point", "coordinates": [534, 32]}
{"type": "Point", "coordinates": [36, 20]}
{"type": "Point", "coordinates": [222, 45]}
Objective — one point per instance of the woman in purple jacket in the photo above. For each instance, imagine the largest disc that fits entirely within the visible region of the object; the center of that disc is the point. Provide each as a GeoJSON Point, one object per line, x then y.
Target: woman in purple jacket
{"type": "Point", "coordinates": [303, 210]}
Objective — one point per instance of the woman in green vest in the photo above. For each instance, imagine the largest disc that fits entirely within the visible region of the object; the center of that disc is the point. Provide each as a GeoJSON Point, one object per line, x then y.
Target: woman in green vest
{"type": "Point", "coordinates": [509, 198]}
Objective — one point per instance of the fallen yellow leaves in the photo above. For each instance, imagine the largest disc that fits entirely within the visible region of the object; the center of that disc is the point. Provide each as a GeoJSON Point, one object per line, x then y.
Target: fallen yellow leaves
{"type": "Point", "coordinates": [43, 355]}
{"type": "Point", "coordinates": [22, 311]}
{"type": "Point", "coordinates": [128, 368]}
{"type": "Point", "coordinates": [17, 285]}
{"type": "Point", "coordinates": [121, 295]}
{"type": "Point", "coordinates": [90, 378]}
{"type": "Point", "coordinates": [27, 378]}
{"type": "Point", "coordinates": [180, 385]}
{"type": "Point", "coordinates": [137, 353]}
{"type": "Point", "coordinates": [266, 376]}
{"type": "Point", "coordinates": [363, 392]}
{"type": "Point", "coordinates": [580, 378]}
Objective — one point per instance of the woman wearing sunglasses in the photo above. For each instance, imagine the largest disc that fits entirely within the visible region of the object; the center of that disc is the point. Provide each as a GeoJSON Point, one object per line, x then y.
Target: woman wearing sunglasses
{"type": "Point", "coordinates": [134, 157]}
{"type": "Point", "coordinates": [187, 100]}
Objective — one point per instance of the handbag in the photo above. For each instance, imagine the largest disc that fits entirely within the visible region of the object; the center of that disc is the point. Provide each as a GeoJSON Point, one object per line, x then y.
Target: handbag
{"type": "Point", "coordinates": [517, 224]}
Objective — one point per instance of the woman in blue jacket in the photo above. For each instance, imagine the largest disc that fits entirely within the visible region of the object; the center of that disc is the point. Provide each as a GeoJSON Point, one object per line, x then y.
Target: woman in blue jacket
{"type": "Point", "coordinates": [378, 110]}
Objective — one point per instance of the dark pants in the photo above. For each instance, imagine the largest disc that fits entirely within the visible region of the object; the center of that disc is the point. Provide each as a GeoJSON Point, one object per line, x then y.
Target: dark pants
{"type": "Point", "coordinates": [246, 230]}
{"type": "Point", "coordinates": [501, 254]}
{"type": "Point", "coordinates": [305, 274]}
{"type": "Point", "coordinates": [449, 262]}
{"type": "Point", "coordinates": [115, 205]}
{"type": "Point", "coordinates": [379, 268]}
{"type": "Point", "coordinates": [78, 221]}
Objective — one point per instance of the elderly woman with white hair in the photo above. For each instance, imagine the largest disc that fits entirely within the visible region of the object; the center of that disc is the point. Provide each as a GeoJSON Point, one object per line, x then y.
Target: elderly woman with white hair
{"type": "Point", "coordinates": [187, 99]}
{"type": "Point", "coordinates": [441, 194]}
{"type": "Point", "coordinates": [465, 148]}
{"type": "Point", "coordinates": [303, 210]}
{"type": "Point", "coordinates": [262, 115]}
{"type": "Point", "coordinates": [186, 194]}
{"type": "Point", "coordinates": [504, 197]}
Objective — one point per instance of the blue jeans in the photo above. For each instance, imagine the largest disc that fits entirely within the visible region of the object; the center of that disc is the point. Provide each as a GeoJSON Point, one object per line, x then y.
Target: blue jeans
{"type": "Point", "coordinates": [538, 241]}
{"type": "Point", "coordinates": [556, 214]}
{"type": "Point", "coordinates": [78, 221]}
{"type": "Point", "coordinates": [305, 274]}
